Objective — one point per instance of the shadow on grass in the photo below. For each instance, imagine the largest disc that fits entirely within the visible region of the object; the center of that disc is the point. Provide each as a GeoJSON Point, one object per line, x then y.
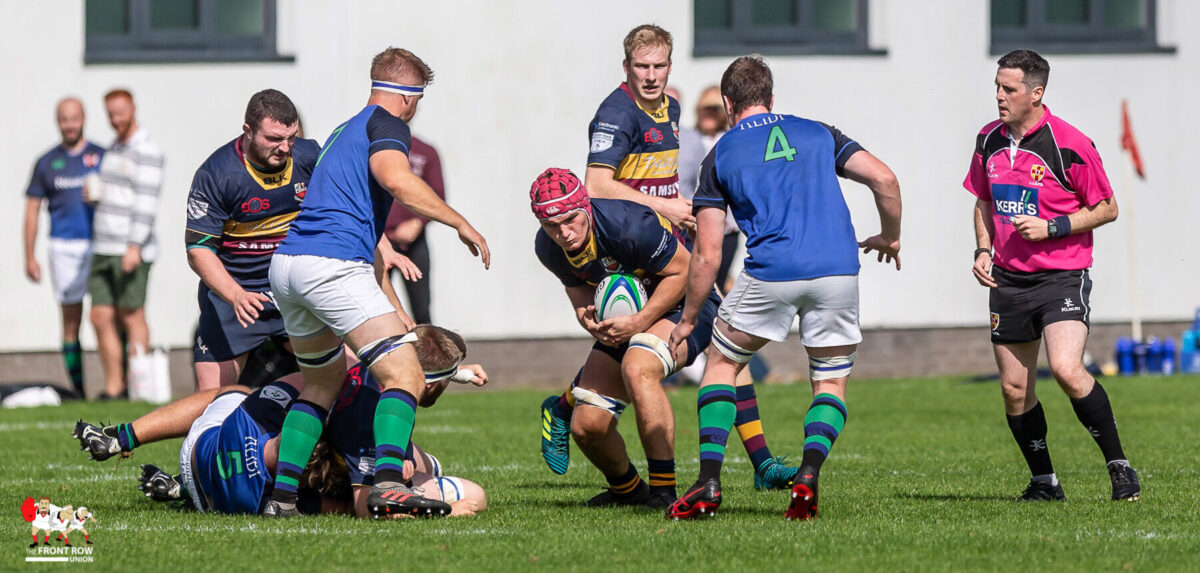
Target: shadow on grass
{"type": "Point", "coordinates": [951, 497]}
{"type": "Point", "coordinates": [552, 485]}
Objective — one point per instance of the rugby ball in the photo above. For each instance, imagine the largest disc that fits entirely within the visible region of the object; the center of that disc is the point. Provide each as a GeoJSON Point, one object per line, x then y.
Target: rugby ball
{"type": "Point", "coordinates": [619, 295]}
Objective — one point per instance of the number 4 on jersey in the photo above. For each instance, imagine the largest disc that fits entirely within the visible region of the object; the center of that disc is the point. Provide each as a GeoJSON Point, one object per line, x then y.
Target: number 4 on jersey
{"type": "Point", "coordinates": [777, 146]}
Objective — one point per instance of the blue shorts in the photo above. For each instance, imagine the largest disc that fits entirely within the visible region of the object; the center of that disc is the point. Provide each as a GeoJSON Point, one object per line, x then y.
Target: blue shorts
{"type": "Point", "coordinates": [696, 343]}
{"type": "Point", "coordinates": [228, 463]}
{"type": "Point", "coordinates": [220, 337]}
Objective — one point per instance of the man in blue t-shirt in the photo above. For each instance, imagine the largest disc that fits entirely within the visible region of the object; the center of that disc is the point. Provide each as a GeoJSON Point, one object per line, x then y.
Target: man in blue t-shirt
{"type": "Point", "coordinates": [58, 181]}
{"type": "Point", "coordinates": [329, 282]}
{"type": "Point", "coordinates": [778, 175]}
{"type": "Point", "coordinates": [243, 198]}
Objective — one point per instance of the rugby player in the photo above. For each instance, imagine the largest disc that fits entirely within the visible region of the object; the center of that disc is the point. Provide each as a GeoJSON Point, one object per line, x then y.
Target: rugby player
{"type": "Point", "coordinates": [58, 181]}
{"type": "Point", "coordinates": [581, 242]}
{"type": "Point", "coordinates": [242, 199]}
{"type": "Point", "coordinates": [228, 460]}
{"type": "Point", "coordinates": [327, 278]}
{"type": "Point", "coordinates": [634, 156]}
{"type": "Point", "coordinates": [778, 175]}
{"type": "Point", "coordinates": [1040, 189]}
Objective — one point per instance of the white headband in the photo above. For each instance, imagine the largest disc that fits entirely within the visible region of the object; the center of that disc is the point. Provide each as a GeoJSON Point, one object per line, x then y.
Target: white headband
{"type": "Point", "coordinates": [397, 88]}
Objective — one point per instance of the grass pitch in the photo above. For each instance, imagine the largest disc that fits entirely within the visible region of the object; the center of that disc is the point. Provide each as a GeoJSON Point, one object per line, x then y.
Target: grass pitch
{"type": "Point", "coordinates": [921, 479]}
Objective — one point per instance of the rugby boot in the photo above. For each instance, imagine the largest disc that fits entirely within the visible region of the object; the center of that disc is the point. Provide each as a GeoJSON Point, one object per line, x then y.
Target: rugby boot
{"type": "Point", "coordinates": [774, 474]}
{"type": "Point", "coordinates": [100, 442]}
{"type": "Point", "coordinates": [1124, 482]}
{"type": "Point", "coordinates": [395, 499]}
{"type": "Point", "coordinates": [660, 499]}
{"type": "Point", "coordinates": [159, 485]}
{"type": "Point", "coordinates": [702, 499]}
{"type": "Point", "coordinates": [804, 498]}
{"type": "Point", "coordinates": [282, 510]}
{"type": "Point", "coordinates": [556, 435]}
{"type": "Point", "coordinates": [610, 498]}
{"type": "Point", "coordinates": [1043, 491]}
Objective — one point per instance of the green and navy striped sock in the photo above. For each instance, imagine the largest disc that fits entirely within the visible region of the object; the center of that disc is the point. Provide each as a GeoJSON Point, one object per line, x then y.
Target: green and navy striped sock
{"type": "Point", "coordinates": [717, 408]}
{"type": "Point", "coordinates": [301, 429]}
{"type": "Point", "coordinates": [825, 419]}
{"type": "Point", "coordinates": [73, 360]}
{"type": "Point", "coordinates": [394, 418]}
{"type": "Point", "coordinates": [127, 438]}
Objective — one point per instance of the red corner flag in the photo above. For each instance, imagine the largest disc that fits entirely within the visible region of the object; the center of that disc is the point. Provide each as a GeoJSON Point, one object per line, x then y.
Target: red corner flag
{"type": "Point", "coordinates": [1128, 142]}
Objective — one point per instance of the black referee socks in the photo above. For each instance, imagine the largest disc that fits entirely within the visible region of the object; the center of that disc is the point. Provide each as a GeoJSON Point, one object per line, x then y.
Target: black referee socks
{"type": "Point", "coordinates": [1095, 413]}
{"type": "Point", "coordinates": [1030, 431]}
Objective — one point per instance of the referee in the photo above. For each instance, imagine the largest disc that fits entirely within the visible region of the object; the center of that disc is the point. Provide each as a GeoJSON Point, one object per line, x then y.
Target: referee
{"type": "Point", "coordinates": [1041, 189]}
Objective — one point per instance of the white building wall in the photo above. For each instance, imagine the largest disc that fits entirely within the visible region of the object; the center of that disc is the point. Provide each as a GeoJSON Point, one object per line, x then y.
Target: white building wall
{"type": "Point", "coordinates": [517, 83]}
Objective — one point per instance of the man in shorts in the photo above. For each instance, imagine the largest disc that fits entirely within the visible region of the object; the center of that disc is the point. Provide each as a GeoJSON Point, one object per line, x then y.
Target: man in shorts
{"type": "Point", "coordinates": [242, 200]}
{"type": "Point", "coordinates": [582, 241]}
{"type": "Point", "coordinates": [1040, 189]}
{"type": "Point", "coordinates": [57, 181]}
{"type": "Point", "coordinates": [328, 280]}
{"type": "Point", "coordinates": [778, 175]}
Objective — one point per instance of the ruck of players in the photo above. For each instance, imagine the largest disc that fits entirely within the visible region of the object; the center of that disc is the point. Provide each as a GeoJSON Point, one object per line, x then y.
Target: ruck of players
{"type": "Point", "coordinates": [290, 242]}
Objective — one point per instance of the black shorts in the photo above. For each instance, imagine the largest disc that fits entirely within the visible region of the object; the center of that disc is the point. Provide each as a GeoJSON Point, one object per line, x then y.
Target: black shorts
{"type": "Point", "coordinates": [1022, 304]}
{"type": "Point", "coordinates": [220, 337]}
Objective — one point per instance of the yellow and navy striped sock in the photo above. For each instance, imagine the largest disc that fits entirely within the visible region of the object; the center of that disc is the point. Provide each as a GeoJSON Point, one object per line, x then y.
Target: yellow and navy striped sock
{"type": "Point", "coordinates": [662, 474]}
{"type": "Point", "coordinates": [749, 426]}
{"type": "Point", "coordinates": [824, 422]}
{"type": "Point", "coordinates": [625, 484]}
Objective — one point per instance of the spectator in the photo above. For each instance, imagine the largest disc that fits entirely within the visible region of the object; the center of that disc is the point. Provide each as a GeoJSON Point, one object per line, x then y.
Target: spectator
{"type": "Point", "coordinates": [58, 181]}
{"type": "Point", "coordinates": [406, 231]}
{"type": "Point", "coordinates": [694, 144]}
{"type": "Point", "coordinates": [126, 199]}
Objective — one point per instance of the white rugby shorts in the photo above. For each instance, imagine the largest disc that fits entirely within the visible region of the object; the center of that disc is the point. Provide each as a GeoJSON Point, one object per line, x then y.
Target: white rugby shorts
{"type": "Point", "coordinates": [70, 262]}
{"type": "Point", "coordinates": [827, 306]}
{"type": "Point", "coordinates": [214, 415]}
{"type": "Point", "coordinates": [315, 292]}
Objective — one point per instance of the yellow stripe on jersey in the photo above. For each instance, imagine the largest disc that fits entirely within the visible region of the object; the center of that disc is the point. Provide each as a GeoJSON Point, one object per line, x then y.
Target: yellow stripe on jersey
{"type": "Point", "coordinates": [271, 226]}
{"type": "Point", "coordinates": [663, 221]}
{"type": "Point", "coordinates": [655, 165]}
{"type": "Point", "coordinates": [658, 115]}
{"type": "Point", "coordinates": [589, 253]}
{"type": "Point", "coordinates": [270, 181]}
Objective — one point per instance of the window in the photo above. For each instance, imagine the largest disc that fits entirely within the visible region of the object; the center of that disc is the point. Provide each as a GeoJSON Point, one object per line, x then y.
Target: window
{"type": "Point", "coordinates": [1075, 26]}
{"type": "Point", "coordinates": [180, 30]}
{"type": "Point", "coordinates": [780, 27]}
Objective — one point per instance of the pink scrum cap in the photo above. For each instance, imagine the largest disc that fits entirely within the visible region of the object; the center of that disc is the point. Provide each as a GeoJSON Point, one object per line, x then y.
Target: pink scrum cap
{"type": "Point", "coordinates": [557, 192]}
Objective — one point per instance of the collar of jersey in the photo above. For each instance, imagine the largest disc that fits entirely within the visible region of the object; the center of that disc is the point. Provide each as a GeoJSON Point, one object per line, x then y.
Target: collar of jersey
{"type": "Point", "coordinates": [1041, 122]}
{"type": "Point", "coordinates": [589, 253]}
{"type": "Point", "coordinates": [266, 180]}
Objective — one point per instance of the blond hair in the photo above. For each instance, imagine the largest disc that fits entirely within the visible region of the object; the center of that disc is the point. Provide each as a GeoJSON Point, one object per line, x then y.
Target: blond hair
{"type": "Point", "coordinates": [400, 65]}
{"type": "Point", "coordinates": [647, 36]}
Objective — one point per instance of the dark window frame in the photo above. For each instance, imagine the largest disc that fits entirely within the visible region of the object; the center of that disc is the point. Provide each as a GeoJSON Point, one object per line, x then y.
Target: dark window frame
{"type": "Point", "coordinates": [141, 44]}
{"type": "Point", "coordinates": [744, 37]}
{"type": "Point", "coordinates": [1094, 37]}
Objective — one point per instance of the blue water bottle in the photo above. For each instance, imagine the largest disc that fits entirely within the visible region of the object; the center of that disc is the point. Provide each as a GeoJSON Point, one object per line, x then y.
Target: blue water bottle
{"type": "Point", "coordinates": [1139, 358]}
{"type": "Point", "coordinates": [1154, 354]}
{"type": "Point", "coordinates": [1187, 351]}
{"type": "Point", "coordinates": [1125, 356]}
{"type": "Point", "coordinates": [1168, 356]}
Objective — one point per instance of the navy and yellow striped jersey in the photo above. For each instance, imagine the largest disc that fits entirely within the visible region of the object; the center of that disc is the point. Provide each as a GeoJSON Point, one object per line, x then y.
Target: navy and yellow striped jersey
{"type": "Point", "coordinates": [242, 214]}
{"type": "Point", "coordinates": [625, 238]}
{"type": "Point", "coordinates": [641, 145]}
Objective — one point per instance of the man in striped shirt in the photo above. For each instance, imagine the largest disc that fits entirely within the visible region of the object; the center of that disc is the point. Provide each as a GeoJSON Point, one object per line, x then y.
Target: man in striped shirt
{"type": "Point", "coordinates": [126, 200]}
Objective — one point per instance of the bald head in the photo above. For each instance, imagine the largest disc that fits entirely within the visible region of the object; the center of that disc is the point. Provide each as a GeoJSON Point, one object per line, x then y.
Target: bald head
{"type": "Point", "coordinates": [69, 115]}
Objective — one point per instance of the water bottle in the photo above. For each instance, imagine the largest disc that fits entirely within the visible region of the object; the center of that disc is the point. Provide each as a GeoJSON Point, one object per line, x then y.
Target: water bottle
{"type": "Point", "coordinates": [1187, 349]}
{"type": "Point", "coordinates": [1124, 354]}
{"type": "Point", "coordinates": [1168, 356]}
{"type": "Point", "coordinates": [1139, 358]}
{"type": "Point", "coordinates": [1154, 353]}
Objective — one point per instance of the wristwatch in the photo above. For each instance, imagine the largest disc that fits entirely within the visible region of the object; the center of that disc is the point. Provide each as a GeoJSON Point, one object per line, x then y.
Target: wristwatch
{"type": "Point", "coordinates": [1052, 228]}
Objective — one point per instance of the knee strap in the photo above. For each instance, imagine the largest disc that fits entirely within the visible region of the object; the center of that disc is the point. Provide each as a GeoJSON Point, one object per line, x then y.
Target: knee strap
{"type": "Point", "coordinates": [831, 367]}
{"type": "Point", "coordinates": [370, 353]}
{"type": "Point", "coordinates": [318, 359]}
{"type": "Point", "coordinates": [585, 397]}
{"type": "Point", "coordinates": [656, 346]}
{"type": "Point", "coordinates": [729, 349]}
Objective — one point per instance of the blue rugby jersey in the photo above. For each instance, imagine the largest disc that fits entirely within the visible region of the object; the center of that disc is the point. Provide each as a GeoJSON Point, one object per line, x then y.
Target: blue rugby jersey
{"type": "Point", "coordinates": [229, 465]}
{"type": "Point", "coordinates": [350, 429]}
{"type": "Point", "coordinates": [242, 214]}
{"type": "Point", "coordinates": [642, 146]}
{"type": "Point", "coordinates": [626, 237]}
{"type": "Point", "coordinates": [344, 213]}
{"type": "Point", "coordinates": [58, 178]}
{"type": "Point", "coordinates": [778, 175]}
